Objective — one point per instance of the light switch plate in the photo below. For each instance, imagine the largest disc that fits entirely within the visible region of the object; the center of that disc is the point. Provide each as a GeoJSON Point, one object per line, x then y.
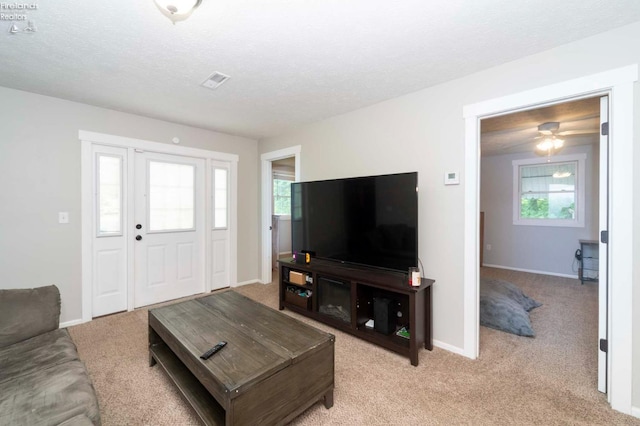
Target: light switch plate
{"type": "Point", "coordinates": [451, 178]}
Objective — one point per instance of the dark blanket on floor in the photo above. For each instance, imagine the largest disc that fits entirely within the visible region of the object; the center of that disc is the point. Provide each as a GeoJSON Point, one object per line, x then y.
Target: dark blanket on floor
{"type": "Point", "coordinates": [505, 307]}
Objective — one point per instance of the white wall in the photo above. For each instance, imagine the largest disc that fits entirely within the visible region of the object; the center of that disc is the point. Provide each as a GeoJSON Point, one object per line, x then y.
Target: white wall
{"type": "Point", "coordinates": [547, 249]}
{"type": "Point", "coordinates": [424, 131]}
{"type": "Point", "coordinates": [40, 171]}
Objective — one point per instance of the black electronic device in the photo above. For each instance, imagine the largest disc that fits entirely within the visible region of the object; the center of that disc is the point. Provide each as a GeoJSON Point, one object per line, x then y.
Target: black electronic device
{"type": "Point", "coordinates": [213, 350]}
{"type": "Point", "coordinates": [383, 317]}
{"type": "Point", "coordinates": [371, 221]}
{"type": "Point", "coordinates": [303, 257]}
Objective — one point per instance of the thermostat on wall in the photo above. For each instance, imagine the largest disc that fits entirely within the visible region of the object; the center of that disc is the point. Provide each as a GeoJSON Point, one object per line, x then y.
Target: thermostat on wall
{"type": "Point", "coordinates": [451, 178]}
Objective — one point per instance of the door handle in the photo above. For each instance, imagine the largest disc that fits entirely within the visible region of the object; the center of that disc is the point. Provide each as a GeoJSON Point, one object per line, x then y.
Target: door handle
{"type": "Point", "coordinates": [138, 237]}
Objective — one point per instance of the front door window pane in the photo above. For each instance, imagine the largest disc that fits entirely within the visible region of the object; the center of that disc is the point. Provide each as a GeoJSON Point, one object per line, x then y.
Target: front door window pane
{"type": "Point", "coordinates": [171, 196]}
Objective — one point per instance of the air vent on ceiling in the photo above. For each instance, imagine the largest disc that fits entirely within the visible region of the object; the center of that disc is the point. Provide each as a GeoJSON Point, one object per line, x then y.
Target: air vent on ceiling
{"type": "Point", "coordinates": [215, 80]}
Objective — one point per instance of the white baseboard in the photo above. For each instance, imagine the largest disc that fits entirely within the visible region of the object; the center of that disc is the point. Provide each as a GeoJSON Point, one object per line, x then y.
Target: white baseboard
{"type": "Point", "coordinates": [71, 323]}
{"type": "Point", "coordinates": [635, 412]}
{"type": "Point", "coordinates": [533, 271]}
{"type": "Point", "coordinates": [256, 281]}
{"type": "Point", "coordinates": [447, 347]}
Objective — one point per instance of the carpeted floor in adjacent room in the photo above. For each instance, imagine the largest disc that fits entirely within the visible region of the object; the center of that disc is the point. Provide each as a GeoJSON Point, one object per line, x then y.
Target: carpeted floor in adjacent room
{"type": "Point", "coordinates": [549, 379]}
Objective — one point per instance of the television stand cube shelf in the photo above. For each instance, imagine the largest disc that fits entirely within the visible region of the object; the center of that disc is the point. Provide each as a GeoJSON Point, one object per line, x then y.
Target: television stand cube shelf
{"type": "Point", "coordinates": [350, 297]}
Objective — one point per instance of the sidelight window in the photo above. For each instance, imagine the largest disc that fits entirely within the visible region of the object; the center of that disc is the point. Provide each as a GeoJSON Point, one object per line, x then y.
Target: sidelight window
{"type": "Point", "coordinates": [220, 198]}
{"type": "Point", "coordinates": [109, 188]}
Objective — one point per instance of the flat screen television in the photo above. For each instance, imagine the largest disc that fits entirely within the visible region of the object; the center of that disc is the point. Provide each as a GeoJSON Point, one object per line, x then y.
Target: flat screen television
{"type": "Point", "coordinates": [370, 221]}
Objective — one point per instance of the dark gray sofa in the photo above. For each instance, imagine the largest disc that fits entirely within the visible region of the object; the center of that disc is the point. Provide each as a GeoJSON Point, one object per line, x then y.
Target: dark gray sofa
{"type": "Point", "coordinates": [42, 380]}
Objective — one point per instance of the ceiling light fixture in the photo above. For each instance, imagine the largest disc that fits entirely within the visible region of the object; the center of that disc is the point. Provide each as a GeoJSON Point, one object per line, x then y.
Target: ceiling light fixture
{"type": "Point", "coordinates": [550, 145]}
{"type": "Point", "coordinates": [177, 10]}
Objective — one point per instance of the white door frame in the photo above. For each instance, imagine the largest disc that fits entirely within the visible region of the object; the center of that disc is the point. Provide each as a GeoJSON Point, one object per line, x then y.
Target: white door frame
{"type": "Point", "coordinates": [618, 84]}
{"type": "Point", "coordinates": [87, 139]}
{"type": "Point", "coordinates": [603, 248]}
{"type": "Point", "coordinates": [267, 201]}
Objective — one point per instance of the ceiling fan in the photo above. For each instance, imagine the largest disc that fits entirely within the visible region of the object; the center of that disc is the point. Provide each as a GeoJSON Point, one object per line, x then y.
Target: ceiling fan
{"type": "Point", "coordinates": [551, 140]}
{"type": "Point", "coordinates": [551, 128]}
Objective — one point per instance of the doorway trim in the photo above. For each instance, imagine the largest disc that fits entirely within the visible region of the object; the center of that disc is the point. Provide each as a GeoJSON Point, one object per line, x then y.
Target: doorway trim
{"type": "Point", "coordinates": [87, 140]}
{"type": "Point", "coordinates": [618, 84]}
{"type": "Point", "coordinates": [267, 201]}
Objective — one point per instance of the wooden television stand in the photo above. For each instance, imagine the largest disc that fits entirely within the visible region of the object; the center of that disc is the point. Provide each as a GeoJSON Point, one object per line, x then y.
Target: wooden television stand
{"type": "Point", "coordinates": [350, 297]}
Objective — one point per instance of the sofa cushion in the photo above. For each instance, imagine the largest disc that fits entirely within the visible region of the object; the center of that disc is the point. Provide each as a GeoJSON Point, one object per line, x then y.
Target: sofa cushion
{"type": "Point", "coordinates": [49, 396]}
{"type": "Point", "coordinates": [25, 313]}
{"type": "Point", "coordinates": [37, 353]}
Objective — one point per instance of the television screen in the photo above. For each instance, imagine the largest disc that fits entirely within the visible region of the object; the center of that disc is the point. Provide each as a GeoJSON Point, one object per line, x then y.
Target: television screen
{"type": "Point", "coordinates": [369, 221]}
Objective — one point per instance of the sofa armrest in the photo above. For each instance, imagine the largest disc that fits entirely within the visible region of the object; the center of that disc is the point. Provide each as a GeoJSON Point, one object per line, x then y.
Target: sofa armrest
{"type": "Point", "coordinates": [25, 313]}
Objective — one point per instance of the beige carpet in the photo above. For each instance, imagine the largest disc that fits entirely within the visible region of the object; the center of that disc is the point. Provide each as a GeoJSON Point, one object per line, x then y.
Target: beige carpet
{"type": "Point", "coordinates": [549, 379]}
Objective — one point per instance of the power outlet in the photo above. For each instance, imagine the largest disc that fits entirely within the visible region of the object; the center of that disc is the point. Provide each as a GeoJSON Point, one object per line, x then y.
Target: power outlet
{"type": "Point", "coordinates": [488, 247]}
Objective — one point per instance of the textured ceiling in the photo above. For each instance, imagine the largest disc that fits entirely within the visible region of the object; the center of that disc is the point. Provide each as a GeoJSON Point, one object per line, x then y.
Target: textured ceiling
{"type": "Point", "coordinates": [290, 62]}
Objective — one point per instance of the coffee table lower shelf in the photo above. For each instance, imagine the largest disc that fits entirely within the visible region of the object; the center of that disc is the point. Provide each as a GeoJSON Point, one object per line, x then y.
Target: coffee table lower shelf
{"type": "Point", "coordinates": [206, 407]}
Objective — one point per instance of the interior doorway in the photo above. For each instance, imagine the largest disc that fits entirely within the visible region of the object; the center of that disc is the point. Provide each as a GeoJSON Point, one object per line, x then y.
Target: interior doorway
{"type": "Point", "coordinates": [618, 84]}
{"type": "Point", "coordinates": [288, 155]}
{"type": "Point", "coordinates": [540, 195]}
{"type": "Point", "coordinates": [284, 173]}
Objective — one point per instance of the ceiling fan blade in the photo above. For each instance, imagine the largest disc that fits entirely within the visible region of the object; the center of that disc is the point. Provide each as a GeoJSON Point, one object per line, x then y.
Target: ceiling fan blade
{"type": "Point", "coordinates": [578, 132]}
{"type": "Point", "coordinates": [515, 145]}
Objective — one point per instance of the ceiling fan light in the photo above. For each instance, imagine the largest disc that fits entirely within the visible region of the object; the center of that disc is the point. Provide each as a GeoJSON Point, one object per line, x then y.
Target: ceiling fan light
{"type": "Point", "coordinates": [549, 144]}
{"type": "Point", "coordinates": [545, 145]}
{"type": "Point", "coordinates": [177, 10]}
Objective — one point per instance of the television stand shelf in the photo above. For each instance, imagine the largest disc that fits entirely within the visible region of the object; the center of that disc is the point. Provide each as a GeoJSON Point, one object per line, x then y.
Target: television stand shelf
{"type": "Point", "coordinates": [350, 297]}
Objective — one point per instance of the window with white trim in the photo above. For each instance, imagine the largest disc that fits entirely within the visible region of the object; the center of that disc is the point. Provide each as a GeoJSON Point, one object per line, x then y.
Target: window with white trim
{"type": "Point", "coordinates": [550, 193]}
{"type": "Point", "coordinates": [282, 193]}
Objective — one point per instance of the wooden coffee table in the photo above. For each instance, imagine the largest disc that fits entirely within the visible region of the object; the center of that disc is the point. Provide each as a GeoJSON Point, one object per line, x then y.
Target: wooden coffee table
{"type": "Point", "coordinates": [272, 369]}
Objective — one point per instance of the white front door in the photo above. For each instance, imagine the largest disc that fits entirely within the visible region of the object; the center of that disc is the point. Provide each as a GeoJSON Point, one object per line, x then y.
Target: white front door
{"type": "Point", "coordinates": [169, 227]}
